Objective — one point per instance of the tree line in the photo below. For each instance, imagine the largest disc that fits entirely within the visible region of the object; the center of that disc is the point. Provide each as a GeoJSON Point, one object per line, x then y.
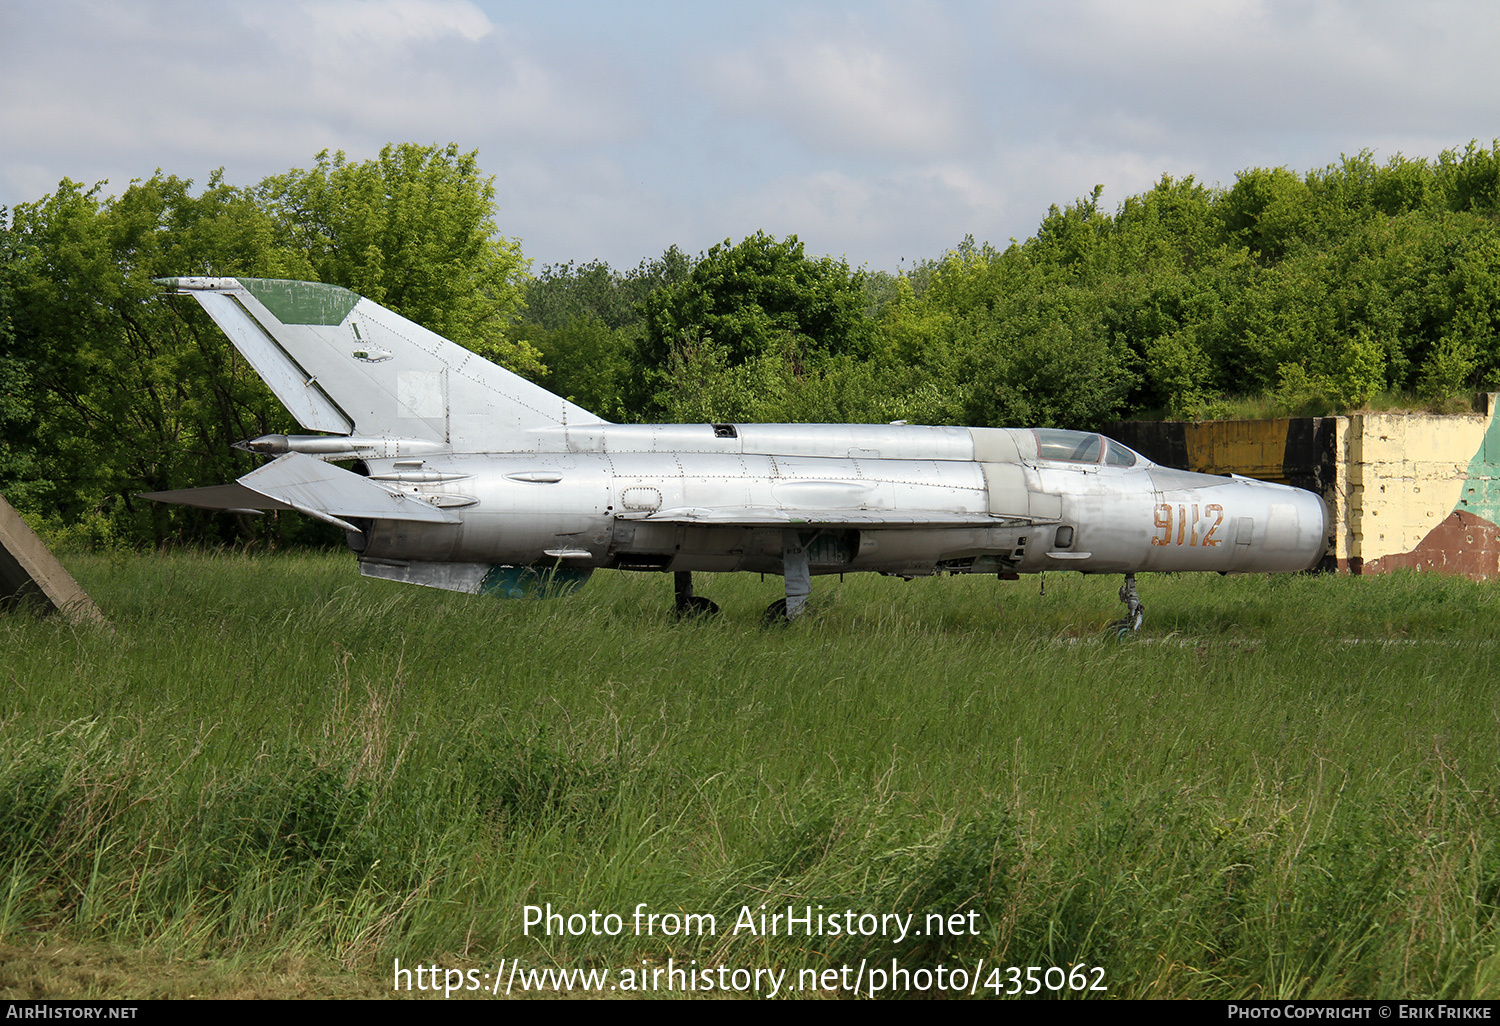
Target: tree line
{"type": "Point", "coordinates": [1314, 292]}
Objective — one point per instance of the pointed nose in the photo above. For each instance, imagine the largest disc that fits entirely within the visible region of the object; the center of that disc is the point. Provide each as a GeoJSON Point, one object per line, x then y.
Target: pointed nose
{"type": "Point", "coordinates": [1315, 516]}
{"type": "Point", "coordinates": [1297, 525]}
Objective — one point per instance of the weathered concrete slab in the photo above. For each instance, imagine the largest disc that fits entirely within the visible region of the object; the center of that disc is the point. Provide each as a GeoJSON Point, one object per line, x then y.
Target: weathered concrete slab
{"type": "Point", "coordinates": [31, 575]}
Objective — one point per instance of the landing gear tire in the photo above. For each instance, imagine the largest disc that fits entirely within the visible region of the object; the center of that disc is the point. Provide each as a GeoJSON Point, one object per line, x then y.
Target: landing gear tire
{"type": "Point", "coordinates": [697, 606]}
{"type": "Point", "coordinates": [688, 605]}
{"type": "Point", "coordinates": [776, 613]}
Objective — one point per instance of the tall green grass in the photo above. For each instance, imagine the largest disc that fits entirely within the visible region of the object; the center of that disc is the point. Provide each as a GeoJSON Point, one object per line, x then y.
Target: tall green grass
{"type": "Point", "coordinates": [1286, 787]}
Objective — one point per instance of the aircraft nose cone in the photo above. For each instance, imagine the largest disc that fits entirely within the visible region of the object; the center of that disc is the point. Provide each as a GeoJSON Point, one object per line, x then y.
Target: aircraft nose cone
{"type": "Point", "coordinates": [1296, 527]}
{"type": "Point", "coordinates": [1313, 517]}
{"type": "Point", "coordinates": [1325, 528]}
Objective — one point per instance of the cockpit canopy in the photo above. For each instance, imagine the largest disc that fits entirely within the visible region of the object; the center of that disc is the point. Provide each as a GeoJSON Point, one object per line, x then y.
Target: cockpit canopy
{"type": "Point", "coordinates": [1082, 447]}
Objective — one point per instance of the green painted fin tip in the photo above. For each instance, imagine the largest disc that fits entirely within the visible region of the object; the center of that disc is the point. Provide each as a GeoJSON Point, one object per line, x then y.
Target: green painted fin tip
{"type": "Point", "coordinates": [302, 302]}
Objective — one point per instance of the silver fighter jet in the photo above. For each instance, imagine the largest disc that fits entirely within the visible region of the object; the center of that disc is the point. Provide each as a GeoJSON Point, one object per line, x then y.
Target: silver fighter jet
{"type": "Point", "coordinates": [468, 477]}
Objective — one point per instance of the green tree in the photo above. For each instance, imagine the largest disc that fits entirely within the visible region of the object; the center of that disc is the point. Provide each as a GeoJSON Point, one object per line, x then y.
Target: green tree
{"type": "Point", "coordinates": [1023, 337]}
{"type": "Point", "coordinates": [107, 390]}
{"type": "Point", "coordinates": [413, 230]}
{"type": "Point", "coordinates": [124, 392]}
{"type": "Point", "coordinates": [587, 321]}
{"type": "Point", "coordinates": [564, 293]}
{"type": "Point", "coordinates": [1072, 236]}
{"type": "Point", "coordinates": [758, 295]}
{"type": "Point", "coordinates": [587, 362]}
{"type": "Point", "coordinates": [1470, 182]}
{"type": "Point", "coordinates": [17, 420]}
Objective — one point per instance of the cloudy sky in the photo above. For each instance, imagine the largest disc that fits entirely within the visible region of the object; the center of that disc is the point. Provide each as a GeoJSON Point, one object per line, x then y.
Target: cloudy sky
{"type": "Point", "coordinates": [881, 132]}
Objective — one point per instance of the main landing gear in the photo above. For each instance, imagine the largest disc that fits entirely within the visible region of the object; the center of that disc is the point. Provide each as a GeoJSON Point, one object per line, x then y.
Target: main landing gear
{"type": "Point", "coordinates": [1134, 611]}
{"type": "Point", "coordinates": [689, 604]}
{"type": "Point", "coordinates": [795, 570]}
{"type": "Point", "coordinates": [798, 580]}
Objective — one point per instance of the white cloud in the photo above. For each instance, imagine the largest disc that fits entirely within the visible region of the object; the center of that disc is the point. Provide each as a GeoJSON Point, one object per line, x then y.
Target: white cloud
{"type": "Point", "coordinates": [880, 219]}
{"type": "Point", "coordinates": [261, 86]}
{"type": "Point", "coordinates": [423, 69]}
{"type": "Point", "coordinates": [594, 208]}
{"type": "Point", "coordinates": [380, 25]}
{"type": "Point", "coordinates": [876, 130]}
{"type": "Point", "coordinates": [1236, 67]}
{"type": "Point", "coordinates": [836, 88]}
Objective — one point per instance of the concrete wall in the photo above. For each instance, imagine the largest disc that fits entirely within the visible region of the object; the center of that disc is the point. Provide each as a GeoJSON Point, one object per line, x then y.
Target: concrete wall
{"type": "Point", "coordinates": [1403, 489]}
{"type": "Point", "coordinates": [31, 575]}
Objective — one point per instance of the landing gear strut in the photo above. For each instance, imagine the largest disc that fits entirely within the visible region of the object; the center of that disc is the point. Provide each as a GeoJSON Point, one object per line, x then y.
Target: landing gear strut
{"type": "Point", "coordinates": [798, 579]}
{"type": "Point", "coordinates": [1134, 611]}
{"type": "Point", "coordinates": [689, 604]}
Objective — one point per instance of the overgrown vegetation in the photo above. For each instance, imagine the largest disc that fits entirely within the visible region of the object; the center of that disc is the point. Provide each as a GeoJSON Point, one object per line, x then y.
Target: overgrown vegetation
{"type": "Point", "coordinates": [1286, 789]}
{"type": "Point", "coordinates": [1303, 294]}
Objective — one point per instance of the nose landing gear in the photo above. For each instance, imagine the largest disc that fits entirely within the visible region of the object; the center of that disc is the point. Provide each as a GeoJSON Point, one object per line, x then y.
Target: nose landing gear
{"type": "Point", "coordinates": [1134, 611]}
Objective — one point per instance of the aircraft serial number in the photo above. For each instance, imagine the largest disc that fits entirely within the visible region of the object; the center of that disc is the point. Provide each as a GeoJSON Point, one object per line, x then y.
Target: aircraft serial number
{"type": "Point", "coordinates": [1183, 530]}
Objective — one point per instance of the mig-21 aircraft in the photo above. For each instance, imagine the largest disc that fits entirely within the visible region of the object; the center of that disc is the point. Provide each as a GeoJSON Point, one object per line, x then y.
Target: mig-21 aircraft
{"type": "Point", "coordinates": [468, 477]}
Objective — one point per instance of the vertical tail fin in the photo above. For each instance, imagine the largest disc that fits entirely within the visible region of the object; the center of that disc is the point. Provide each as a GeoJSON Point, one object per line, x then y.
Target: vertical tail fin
{"type": "Point", "coordinates": [345, 365]}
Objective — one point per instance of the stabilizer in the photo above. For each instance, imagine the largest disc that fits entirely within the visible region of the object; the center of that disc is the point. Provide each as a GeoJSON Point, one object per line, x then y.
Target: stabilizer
{"type": "Point", "coordinates": [308, 485]}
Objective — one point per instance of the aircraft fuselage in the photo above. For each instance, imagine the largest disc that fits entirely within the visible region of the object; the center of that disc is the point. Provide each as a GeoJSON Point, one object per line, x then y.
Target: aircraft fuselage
{"type": "Point", "coordinates": [471, 478]}
{"type": "Point", "coordinates": [644, 497]}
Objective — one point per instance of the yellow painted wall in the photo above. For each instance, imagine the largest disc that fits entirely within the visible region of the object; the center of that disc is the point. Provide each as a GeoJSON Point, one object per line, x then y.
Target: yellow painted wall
{"type": "Point", "coordinates": [1252, 448]}
{"type": "Point", "coordinates": [1405, 473]}
{"type": "Point", "coordinates": [1344, 497]}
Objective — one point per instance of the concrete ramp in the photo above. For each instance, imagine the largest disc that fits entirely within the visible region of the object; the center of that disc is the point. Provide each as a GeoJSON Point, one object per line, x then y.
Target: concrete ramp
{"type": "Point", "coordinates": [31, 575]}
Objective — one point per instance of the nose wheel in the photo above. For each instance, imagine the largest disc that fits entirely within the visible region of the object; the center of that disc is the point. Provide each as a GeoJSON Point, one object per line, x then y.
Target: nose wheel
{"type": "Point", "coordinates": [1134, 611]}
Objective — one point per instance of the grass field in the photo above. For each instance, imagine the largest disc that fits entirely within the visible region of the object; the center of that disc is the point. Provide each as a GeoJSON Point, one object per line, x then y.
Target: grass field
{"type": "Point", "coordinates": [272, 777]}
